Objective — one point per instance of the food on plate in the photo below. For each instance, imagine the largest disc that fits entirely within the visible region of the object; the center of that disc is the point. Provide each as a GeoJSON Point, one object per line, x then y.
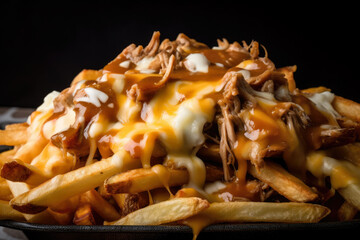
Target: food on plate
{"type": "Point", "coordinates": [178, 132]}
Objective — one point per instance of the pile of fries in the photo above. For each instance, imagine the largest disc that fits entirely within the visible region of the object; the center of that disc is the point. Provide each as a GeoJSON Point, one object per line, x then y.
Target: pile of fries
{"type": "Point", "coordinates": [178, 132]}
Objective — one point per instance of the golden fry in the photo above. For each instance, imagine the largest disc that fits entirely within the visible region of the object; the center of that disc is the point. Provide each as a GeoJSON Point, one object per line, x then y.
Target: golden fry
{"type": "Point", "coordinates": [164, 212]}
{"type": "Point", "coordinates": [283, 182]}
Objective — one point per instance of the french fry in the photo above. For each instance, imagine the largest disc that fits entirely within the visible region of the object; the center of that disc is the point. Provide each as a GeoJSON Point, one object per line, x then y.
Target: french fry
{"type": "Point", "coordinates": [6, 156]}
{"type": "Point", "coordinates": [101, 206]}
{"type": "Point", "coordinates": [36, 141]}
{"type": "Point", "coordinates": [63, 218]}
{"type": "Point", "coordinates": [349, 152]}
{"type": "Point", "coordinates": [283, 182]}
{"type": "Point", "coordinates": [164, 212]}
{"type": "Point", "coordinates": [62, 187]}
{"type": "Point", "coordinates": [16, 126]}
{"type": "Point", "coordinates": [129, 203]}
{"type": "Point", "coordinates": [5, 192]}
{"type": "Point", "coordinates": [257, 212]}
{"type": "Point", "coordinates": [347, 108]}
{"type": "Point", "coordinates": [69, 205]}
{"type": "Point", "coordinates": [17, 171]}
{"type": "Point", "coordinates": [84, 215]}
{"type": "Point", "coordinates": [139, 180]}
{"type": "Point", "coordinates": [18, 188]}
{"type": "Point", "coordinates": [347, 212]}
{"type": "Point", "coordinates": [53, 161]}
{"type": "Point", "coordinates": [8, 213]}
{"type": "Point", "coordinates": [351, 193]}
{"type": "Point", "coordinates": [13, 137]}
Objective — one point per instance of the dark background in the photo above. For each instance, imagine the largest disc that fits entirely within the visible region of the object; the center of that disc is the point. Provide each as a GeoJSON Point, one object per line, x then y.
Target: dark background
{"type": "Point", "coordinates": [45, 44]}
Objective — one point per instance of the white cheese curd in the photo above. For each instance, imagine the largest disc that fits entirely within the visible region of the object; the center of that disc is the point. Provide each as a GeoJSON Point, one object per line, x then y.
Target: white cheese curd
{"type": "Point", "coordinates": [125, 64]}
{"type": "Point", "coordinates": [143, 65]}
{"type": "Point", "coordinates": [323, 102]}
{"type": "Point", "coordinates": [103, 78]}
{"type": "Point", "coordinates": [118, 83]}
{"type": "Point", "coordinates": [48, 102]}
{"type": "Point", "coordinates": [94, 96]}
{"type": "Point", "coordinates": [197, 62]}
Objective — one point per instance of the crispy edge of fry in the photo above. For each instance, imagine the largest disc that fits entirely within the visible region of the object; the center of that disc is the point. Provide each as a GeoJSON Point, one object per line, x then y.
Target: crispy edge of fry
{"type": "Point", "coordinates": [164, 212]}
{"type": "Point", "coordinates": [143, 179]}
{"type": "Point", "coordinates": [17, 171]}
{"type": "Point", "coordinates": [62, 187]}
{"type": "Point", "coordinates": [101, 206]}
{"type": "Point", "coordinates": [129, 202]}
{"type": "Point", "coordinates": [8, 213]}
{"type": "Point", "coordinates": [13, 137]}
{"type": "Point", "coordinates": [347, 108]}
{"type": "Point", "coordinates": [283, 182]}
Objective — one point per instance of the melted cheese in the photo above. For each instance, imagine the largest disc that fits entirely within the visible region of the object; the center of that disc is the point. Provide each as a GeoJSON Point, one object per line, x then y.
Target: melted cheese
{"type": "Point", "coordinates": [341, 173]}
{"type": "Point", "coordinates": [323, 102]}
{"type": "Point", "coordinates": [48, 102]}
{"type": "Point", "coordinates": [60, 124]}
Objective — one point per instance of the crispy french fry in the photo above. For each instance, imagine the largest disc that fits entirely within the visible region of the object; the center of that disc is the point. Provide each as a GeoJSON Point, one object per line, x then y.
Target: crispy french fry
{"type": "Point", "coordinates": [349, 152]}
{"type": "Point", "coordinates": [347, 212]}
{"type": "Point", "coordinates": [17, 171]}
{"type": "Point", "coordinates": [84, 215]}
{"type": "Point", "coordinates": [17, 188]}
{"type": "Point", "coordinates": [5, 192]}
{"type": "Point", "coordinates": [8, 213]}
{"type": "Point", "coordinates": [139, 180]}
{"type": "Point", "coordinates": [61, 187]}
{"type": "Point", "coordinates": [347, 108]}
{"type": "Point", "coordinates": [13, 137]}
{"type": "Point", "coordinates": [54, 161]}
{"type": "Point", "coordinates": [257, 212]}
{"type": "Point", "coordinates": [129, 203]}
{"type": "Point", "coordinates": [16, 126]}
{"type": "Point", "coordinates": [36, 141]}
{"type": "Point", "coordinates": [63, 218]}
{"type": "Point", "coordinates": [283, 182]}
{"type": "Point", "coordinates": [164, 212]}
{"type": "Point", "coordinates": [101, 206]}
{"type": "Point", "coordinates": [69, 205]}
{"type": "Point", "coordinates": [49, 163]}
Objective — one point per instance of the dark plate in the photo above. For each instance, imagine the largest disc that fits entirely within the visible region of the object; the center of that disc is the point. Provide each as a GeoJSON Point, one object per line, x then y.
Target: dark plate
{"type": "Point", "coordinates": [218, 231]}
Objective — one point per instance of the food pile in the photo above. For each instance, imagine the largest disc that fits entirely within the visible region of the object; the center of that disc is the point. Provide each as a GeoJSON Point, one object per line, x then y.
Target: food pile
{"type": "Point", "coordinates": [178, 132]}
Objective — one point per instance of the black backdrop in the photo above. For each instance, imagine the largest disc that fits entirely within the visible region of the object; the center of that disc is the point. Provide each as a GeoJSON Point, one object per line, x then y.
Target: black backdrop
{"type": "Point", "coordinates": [44, 45]}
